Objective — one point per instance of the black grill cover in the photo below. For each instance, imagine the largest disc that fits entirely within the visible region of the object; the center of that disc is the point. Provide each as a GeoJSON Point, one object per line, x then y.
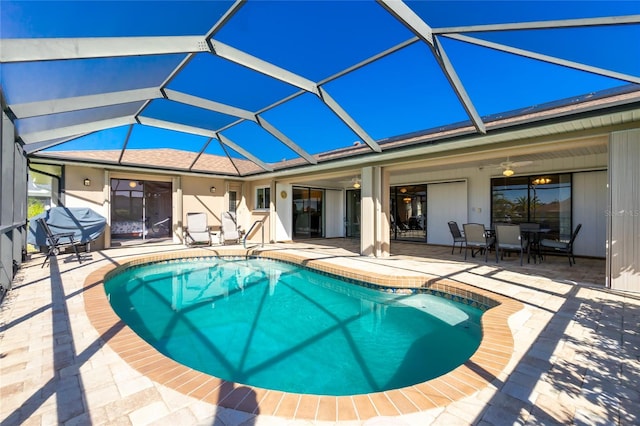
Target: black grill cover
{"type": "Point", "coordinates": [86, 224]}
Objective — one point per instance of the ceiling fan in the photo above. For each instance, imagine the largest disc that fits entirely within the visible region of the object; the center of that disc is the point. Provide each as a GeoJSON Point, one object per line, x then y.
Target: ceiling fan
{"type": "Point", "coordinates": [508, 166]}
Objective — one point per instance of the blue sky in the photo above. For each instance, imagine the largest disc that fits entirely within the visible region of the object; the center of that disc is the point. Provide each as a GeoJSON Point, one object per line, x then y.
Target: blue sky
{"type": "Point", "coordinates": [401, 93]}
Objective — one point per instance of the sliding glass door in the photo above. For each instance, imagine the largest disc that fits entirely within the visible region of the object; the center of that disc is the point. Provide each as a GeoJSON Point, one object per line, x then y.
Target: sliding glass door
{"type": "Point", "coordinates": [352, 223]}
{"type": "Point", "coordinates": [408, 212]}
{"type": "Point", "coordinates": [140, 210]}
{"type": "Point", "coordinates": [308, 213]}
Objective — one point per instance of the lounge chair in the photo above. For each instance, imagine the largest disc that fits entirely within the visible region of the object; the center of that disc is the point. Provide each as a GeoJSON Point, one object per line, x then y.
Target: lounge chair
{"type": "Point", "coordinates": [508, 238]}
{"type": "Point", "coordinates": [477, 239]}
{"type": "Point", "coordinates": [457, 235]}
{"type": "Point", "coordinates": [197, 229]}
{"type": "Point", "coordinates": [229, 228]}
{"type": "Point", "coordinates": [56, 241]}
{"type": "Point", "coordinates": [555, 246]}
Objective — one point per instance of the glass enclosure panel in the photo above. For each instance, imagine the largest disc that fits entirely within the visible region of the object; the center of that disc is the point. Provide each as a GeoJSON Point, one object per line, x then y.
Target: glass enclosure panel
{"type": "Point", "coordinates": [73, 118]}
{"type": "Point", "coordinates": [43, 188]}
{"type": "Point", "coordinates": [409, 212]}
{"type": "Point", "coordinates": [404, 85]}
{"type": "Point", "coordinates": [542, 199]}
{"type": "Point", "coordinates": [188, 115]}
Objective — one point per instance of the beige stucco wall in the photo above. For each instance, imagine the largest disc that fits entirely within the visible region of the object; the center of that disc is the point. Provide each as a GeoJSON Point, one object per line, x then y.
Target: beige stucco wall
{"type": "Point", "coordinates": [258, 215]}
{"type": "Point", "coordinates": [197, 197]}
{"type": "Point", "coordinates": [76, 194]}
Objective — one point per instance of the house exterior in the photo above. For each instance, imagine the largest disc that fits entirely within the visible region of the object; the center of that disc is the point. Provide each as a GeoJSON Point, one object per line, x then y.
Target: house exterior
{"type": "Point", "coordinates": [597, 153]}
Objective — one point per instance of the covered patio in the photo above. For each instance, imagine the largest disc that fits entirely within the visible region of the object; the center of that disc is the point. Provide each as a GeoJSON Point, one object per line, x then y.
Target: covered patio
{"type": "Point", "coordinates": [574, 349]}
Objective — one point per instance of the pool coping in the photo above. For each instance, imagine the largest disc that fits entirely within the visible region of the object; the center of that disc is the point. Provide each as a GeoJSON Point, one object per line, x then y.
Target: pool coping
{"type": "Point", "coordinates": [478, 372]}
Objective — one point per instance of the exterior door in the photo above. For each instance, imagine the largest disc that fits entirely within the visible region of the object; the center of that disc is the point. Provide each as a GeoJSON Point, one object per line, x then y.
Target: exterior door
{"type": "Point", "coordinates": [140, 209]}
{"type": "Point", "coordinates": [352, 222]}
{"type": "Point", "coordinates": [307, 211]}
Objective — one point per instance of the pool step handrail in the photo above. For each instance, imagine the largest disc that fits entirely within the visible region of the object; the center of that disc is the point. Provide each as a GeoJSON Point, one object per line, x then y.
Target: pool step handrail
{"type": "Point", "coordinates": [256, 223]}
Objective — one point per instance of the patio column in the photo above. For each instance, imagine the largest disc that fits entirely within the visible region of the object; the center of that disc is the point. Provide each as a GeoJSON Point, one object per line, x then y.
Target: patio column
{"type": "Point", "coordinates": [106, 206]}
{"type": "Point", "coordinates": [374, 224]}
{"type": "Point", "coordinates": [623, 251]}
{"type": "Point", "coordinates": [178, 210]}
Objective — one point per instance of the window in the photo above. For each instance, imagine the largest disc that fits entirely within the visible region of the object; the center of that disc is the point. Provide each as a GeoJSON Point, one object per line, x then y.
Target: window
{"type": "Point", "coordinates": [542, 199]}
{"type": "Point", "coordinates": [263, 198]}
{"type": "Point", "coordinates": [233, 201]}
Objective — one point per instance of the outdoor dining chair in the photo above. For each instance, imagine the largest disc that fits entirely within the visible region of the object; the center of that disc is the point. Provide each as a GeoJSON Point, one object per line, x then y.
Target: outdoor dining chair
{"type": "Point", "coordinates": [508, 238]}
{"type": "Point", "coordinates": [457, 235]}
{"type": "Point", "coordinates": [565, 247]}
{"type": "Point", "coordinates": [477, 239]}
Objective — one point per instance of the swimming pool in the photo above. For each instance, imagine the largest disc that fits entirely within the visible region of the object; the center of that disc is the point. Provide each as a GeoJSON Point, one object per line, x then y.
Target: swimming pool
{"type": "Point", "coordinates": [278, 326]}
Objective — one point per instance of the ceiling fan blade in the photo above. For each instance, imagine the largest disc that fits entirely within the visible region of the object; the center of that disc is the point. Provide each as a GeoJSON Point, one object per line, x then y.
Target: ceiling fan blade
{"type": "Point", "coordinates": [521, 163]}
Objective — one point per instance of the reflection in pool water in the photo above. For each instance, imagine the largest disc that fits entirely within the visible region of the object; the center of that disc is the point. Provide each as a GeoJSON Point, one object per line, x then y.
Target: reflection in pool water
{"type": "Point", "coordinates": [279, 326]}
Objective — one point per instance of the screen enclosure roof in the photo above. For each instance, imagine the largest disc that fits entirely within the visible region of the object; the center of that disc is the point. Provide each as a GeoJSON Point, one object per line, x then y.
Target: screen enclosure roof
{"type": "Point", "coordinates": [239, 88]}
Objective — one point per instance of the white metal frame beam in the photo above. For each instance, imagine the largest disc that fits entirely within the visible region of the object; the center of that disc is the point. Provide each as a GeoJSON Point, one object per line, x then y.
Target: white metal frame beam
{"type": "Point", "coordinates": [539, 25]}
{"type": "Point", "coordinates": [170, 125]}
{"type": "Point", "coordinates": [239, 57]}
{"type": "Point", "coordinates": [413, 22]}
{"type": "Point", "coordinates": [198, 102]}
{"type": "Point", "coordinates": [56, 106]}
{"type": "Point", "coordinates": [76, 130]}
{"type": "Point", "coordinates": [228, 142]}
{"type": "Point", "coordinates": [346, 118]}
{"type": "Point", "coordinates": [545, 58]}
{"type": "Point", "coordinates": [281, 74]}
{"type": "Point", "coordinates": [39, 146]}
{"type": "Point", "coordinates": [50, 49]}
{"type": "Point", "coordinates": [284, 139]}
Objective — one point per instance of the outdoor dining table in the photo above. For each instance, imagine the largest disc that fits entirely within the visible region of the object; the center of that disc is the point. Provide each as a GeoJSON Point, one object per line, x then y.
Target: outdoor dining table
{"type": "Point", "coordinates": [533, 236]}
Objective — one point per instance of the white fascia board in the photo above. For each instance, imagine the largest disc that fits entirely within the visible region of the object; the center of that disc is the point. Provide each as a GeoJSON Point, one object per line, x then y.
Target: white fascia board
{"type": "Point", "coordinates": [225, 140]}
{"type": "Point", "coordinates": [154, 122]}
{"type": "Point", "coordinates": [285, 140]}
{"type": "Point", "coordinates": [49, 49]}
{"type": "Point", "coordinates": [545, 58]}
{"type": "Point", "coordinates": [55, 106]}
{"type": "Point", "coordinates": [76, 130]}
{"type": "Point", "coordinates": [239, 57]}
{"type": "Point", "coordinates": [195, 101]}
{"type": "Point", "coordinates": [408, 17]}
{"type": "Point", "coordinates": [350, 122]}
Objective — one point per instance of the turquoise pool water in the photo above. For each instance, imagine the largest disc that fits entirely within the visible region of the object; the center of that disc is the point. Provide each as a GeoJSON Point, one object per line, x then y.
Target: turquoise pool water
{"type": "Point", "coordinates": [278, 326]}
